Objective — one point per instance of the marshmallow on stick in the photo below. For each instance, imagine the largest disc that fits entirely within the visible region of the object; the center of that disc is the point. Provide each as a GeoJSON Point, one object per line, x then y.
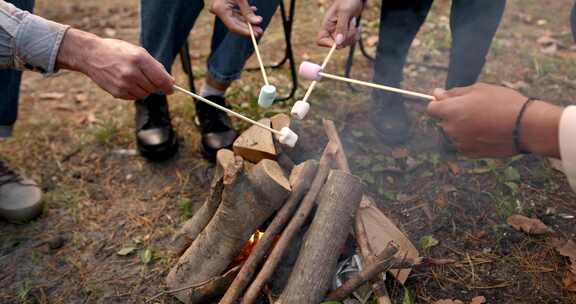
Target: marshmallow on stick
{"type": "Point", "coordinates": [301, 107]}
{"type": "Point", "coordinates": [312, 71]}
{"type": "Point", "coordinates": [285, 136]}
{"type": "Point", "coordinates": [268, 91]}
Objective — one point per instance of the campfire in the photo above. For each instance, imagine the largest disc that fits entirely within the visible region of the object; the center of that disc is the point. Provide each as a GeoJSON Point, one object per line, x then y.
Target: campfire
{"type": "Point", "coordinates": [262, 209]}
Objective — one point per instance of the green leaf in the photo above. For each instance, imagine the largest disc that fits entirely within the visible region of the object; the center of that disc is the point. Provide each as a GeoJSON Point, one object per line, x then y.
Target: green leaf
{"type": "Point", "coordinates": [126, 251]}
{"type": "Point", "coordinates": [512, 186]}
{"type": "Point", "coordinates": [511, 174]}
{"type": "Point", "coordinates": [427, 242]}
{"type": "Point", "coordinates": [407, 297]}
{"type": "Point", "coordinates": [146, 256]}
{"type": "Point", "coordinates": [186, 208]}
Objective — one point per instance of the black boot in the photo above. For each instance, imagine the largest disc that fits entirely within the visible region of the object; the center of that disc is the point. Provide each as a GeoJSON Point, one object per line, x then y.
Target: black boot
{"type": "Point", "coordinates": [215, 126]}
{"type": "Point", "coordinates": [154, 133]}
{"type": "Point", "coordinates": [390, 119]}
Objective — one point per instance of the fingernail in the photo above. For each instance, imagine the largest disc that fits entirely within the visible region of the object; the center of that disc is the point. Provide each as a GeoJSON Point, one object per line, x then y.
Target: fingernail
{"type": "Point", "coordinates": [339, 39]}
{"type": "Point", "coordinates": [439, 92]}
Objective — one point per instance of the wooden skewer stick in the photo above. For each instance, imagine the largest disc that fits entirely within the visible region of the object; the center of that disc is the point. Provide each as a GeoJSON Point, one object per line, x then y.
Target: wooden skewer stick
{"type": "Point", "coordinates": [324, 64]}
{"type": "Point", "coordinates": [219, 107]}
{"type": "Point", "coordinates": [257, 51]}
{"type": "Point", "coordinates": [378, 86]}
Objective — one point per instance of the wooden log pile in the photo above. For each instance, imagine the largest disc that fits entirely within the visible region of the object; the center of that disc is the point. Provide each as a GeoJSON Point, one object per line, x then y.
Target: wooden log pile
{"type": "Point", "coordinates": [257, 188]}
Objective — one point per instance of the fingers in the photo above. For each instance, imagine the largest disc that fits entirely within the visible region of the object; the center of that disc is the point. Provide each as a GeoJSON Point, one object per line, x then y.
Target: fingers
{"type": "Point", "coordinates": [437, 109]}
{"type": "Point", "coordinates": [153, 72]}
{"type": "Point", "coordinates": [342, 27]}
{"type": "Point", "coordinates": [248, 12]}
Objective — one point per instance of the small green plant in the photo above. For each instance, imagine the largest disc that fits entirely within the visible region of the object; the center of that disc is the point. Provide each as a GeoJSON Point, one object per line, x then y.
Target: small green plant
{"type": "Point", "coordinates": [186, 208]}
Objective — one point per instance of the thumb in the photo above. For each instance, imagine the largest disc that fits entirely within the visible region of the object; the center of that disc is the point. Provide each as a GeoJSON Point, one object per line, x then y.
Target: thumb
{"type": "Point", "coordinates": [439, 94]}
{"type": "Point", "coordinates": [248, 12]}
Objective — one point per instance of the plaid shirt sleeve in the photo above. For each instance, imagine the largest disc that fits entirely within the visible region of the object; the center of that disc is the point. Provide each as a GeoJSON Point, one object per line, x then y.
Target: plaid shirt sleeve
{"type": "Point", "coordinates": [28, 41]}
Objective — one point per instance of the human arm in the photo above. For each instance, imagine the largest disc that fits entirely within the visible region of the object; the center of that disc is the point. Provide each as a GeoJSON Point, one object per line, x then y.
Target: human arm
{"type": "Point", "coordinates": [339, 23]}
{"type": "Point", "coordinates": [31, 42]}
{"type": "Point", "coordinates": [480, 120]}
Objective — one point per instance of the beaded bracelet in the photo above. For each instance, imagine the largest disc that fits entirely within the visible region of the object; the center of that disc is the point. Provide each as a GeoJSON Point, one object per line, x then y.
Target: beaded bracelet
{"type": "Point", "coordinates": [517, 125]}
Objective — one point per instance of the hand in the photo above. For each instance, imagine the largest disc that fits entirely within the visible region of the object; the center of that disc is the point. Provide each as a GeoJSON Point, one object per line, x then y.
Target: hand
{"type": "Point", "coordinates": [235, 14]}
{"type": "Point", "coordinates": [480, 120]}
{"type": "Point", "coordinates": [124, 70]}
{"type": "Point", "coordinates": [339, 24]}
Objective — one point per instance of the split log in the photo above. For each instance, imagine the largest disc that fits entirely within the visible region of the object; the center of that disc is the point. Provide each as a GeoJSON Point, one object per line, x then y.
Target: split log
{"type": "Point", "coordinates": [256, 144]}
{"type": "Point", "coordinates": [293, 227]}
{"type": "Point", "coordinates": [300, 179]}
{"type": "Point", "coordinates": [369, 258]}
{"type": "Point", "coordinates": [380, 230]}
{"type": "Point", "coordinates": [382, 263]}
{"type": "Point", "coordinates": [192, 227]}
{"type": "Point", "coordinates": [248, 199]}
{"type": "Point", "coordinates": [316, 264]}
{"type": "Point", "coordinates": [280, 121]}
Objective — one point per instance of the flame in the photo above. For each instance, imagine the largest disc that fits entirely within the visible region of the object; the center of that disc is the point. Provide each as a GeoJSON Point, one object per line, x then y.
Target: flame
{"type": "Point", "coordinates": [247, 249]}
{"type": "Point", "coordinates": [255, 237]}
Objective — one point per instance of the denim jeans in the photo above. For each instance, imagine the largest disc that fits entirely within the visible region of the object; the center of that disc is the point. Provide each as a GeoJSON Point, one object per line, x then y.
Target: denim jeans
{"type": "Point", "coordinates": [473, 24]}
{"type": "Point", "coordinates": [10, 86]}
{"type": "Point", "coordinates": [165, 26]}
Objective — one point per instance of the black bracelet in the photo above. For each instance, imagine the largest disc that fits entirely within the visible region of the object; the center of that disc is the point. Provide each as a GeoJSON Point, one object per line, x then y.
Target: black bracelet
{"type": "Point", "coordinates": [517, 125]}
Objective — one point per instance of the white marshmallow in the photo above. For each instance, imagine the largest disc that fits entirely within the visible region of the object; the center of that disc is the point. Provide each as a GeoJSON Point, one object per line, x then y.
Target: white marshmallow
{"type": "Point", "coordinates": [288, 137]}
{"type": "Point", "coordinates": [300, 109]}
{"type": "Point", "coordinates": [267, 96]}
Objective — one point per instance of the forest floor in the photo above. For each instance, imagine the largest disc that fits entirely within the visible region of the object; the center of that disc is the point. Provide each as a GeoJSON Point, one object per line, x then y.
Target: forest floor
{"type": "Point", "coordinates": [78, 143]}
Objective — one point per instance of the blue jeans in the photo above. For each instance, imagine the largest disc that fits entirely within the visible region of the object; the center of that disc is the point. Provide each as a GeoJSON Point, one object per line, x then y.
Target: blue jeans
{"type": "Point", "coordinates": [473, 24]}
{"type": "Point", "coordinates": [10, 86]}
{"type": "Point", "coordinates": [165, 26]}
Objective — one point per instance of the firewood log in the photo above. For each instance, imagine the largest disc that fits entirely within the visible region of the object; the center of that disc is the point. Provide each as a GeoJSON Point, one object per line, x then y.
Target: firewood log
{"type": "Point", "coordinates": [333, 222]}
{"type": "Point", "coordinates": [248, 199]}
{"type": "Point", "coordinates": [192, 227]}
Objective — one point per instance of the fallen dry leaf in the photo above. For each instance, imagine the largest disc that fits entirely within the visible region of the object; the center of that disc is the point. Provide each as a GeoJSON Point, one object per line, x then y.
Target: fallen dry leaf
{"type": "Point", "coordinates": [567, 249]}
{"type": "Point", "coordinates": [51, 96]}
{"type": "Point", "coordinates": [399, 153]}
{"type": "Point", "coordinates": [528, 225]}
{"type": "Point", "coordinates": [569, 282]}
{"type": "Point", "coordinates": [372, 41]}
{"type": "Point", "coordinates": [454, 167]}
{"type": "Point", "coordinates": [478, 300]}
{"type": "Point", "coordinates": [518, 85]}
{"type": "Point", "coordinates": [448, 301]}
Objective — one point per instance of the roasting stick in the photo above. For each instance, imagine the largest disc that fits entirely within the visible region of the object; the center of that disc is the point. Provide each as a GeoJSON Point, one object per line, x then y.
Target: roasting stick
{"type": "Point", "coordinates": [217, 106]}
{"type": "Point", "coordinates": [267, 92]}
{"type": "Point", "coordinates": [312, 71]}
{"type": "Point", "coordinates": [301, 107]}
{"type": "Point", "coordinates": [379, 86]}
{"type": "Point", "coordinates": [257, 51]}
{"type": "Point", "coordinates": [324, 64]}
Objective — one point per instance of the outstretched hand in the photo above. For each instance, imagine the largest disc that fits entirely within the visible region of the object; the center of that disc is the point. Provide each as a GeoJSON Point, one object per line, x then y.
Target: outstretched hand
{"type": "Point", "coordinates": [124, 70]}
{"type": "Point", "coordinates": [480, 120]}
{"type": "Point", "coordinates": [235, 14]}
{"type": "Point", "coordinates": [339, 25]}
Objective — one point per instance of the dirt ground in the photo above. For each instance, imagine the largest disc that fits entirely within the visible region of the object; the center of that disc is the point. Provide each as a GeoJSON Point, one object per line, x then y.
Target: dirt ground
{"type": "Point", "coordinates": [101, 198]}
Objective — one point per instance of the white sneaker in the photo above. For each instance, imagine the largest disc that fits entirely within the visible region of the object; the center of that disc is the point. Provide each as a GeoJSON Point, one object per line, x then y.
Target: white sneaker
{"type": "Point", "coordinates": [20, 197]}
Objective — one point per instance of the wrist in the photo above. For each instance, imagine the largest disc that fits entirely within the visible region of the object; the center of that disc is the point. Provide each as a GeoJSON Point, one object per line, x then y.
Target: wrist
{"type": "Point", "coordinates": [73, 53]}
{"type": "Point", "coordinates": [539, 129]}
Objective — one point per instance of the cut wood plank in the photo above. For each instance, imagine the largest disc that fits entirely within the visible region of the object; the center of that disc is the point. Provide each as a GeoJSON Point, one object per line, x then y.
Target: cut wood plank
{"type": "Point", "coordinates": [280, 121]}
{"type": "Point", "coordinates": [381, 231]}
{"type": "Point", "coordinates": [256, 144]}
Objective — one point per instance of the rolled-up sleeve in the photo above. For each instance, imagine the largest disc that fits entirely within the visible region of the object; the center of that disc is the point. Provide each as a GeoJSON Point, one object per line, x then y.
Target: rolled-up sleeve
{"type": "Point", "coordinates": [28, 41]}
{"type": "Point", "coordinates": [568, 144]}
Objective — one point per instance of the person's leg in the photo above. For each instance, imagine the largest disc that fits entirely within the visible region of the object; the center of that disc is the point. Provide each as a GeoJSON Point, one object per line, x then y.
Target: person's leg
{"type": "Point", "coordinates": [20, 197]}
{"type": "Point", "coordinates": [225, 64]}
{"type": "Point", "coordinates": [473, 24]}
{"type": "Point", "coordinates": [10, 86]}
{"type": "Point", "coordinates": [165, 26]}
{"type": "Point", "coordinates": [400, 21]}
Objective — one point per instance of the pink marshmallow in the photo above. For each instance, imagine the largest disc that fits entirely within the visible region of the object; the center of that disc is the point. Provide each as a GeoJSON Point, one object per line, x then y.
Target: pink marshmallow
{"type": "Point", "coordinates": [310, 71]}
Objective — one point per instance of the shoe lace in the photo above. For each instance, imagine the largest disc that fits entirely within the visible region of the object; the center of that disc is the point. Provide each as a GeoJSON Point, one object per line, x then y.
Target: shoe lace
{"type": "Point", "coordinates": [7, 175]}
